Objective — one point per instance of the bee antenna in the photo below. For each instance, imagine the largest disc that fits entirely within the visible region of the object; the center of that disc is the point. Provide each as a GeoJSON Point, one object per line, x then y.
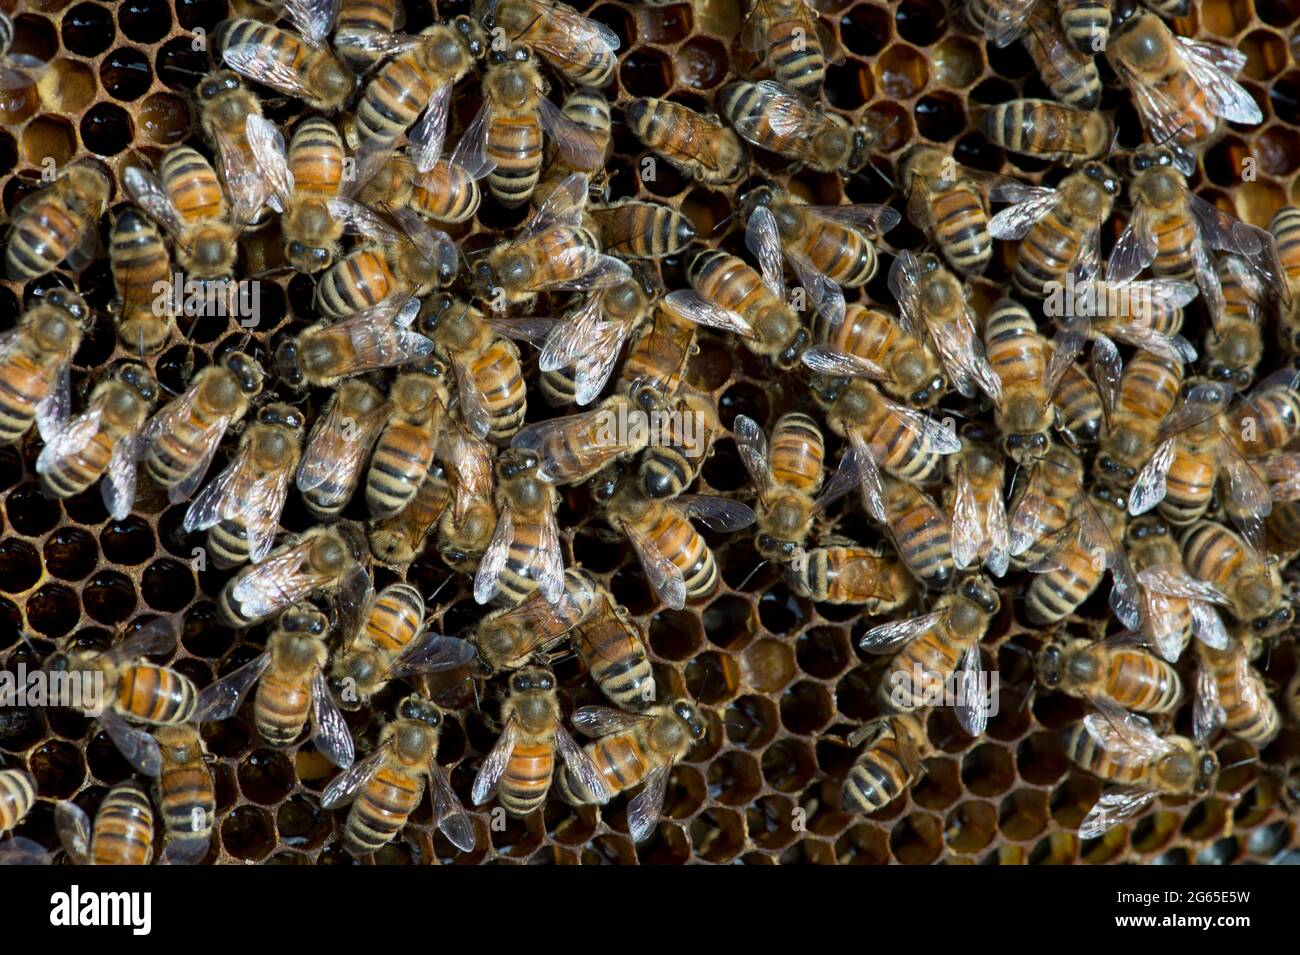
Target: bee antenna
{"type": "Point", "coordinates": [751, 574]}
{"type": "Point", "coordinates": [1241, 762]}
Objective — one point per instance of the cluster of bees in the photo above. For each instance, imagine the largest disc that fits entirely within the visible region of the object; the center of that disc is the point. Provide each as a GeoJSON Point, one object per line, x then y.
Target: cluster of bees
{"type": "Point", "coordinates": [1168, 472]}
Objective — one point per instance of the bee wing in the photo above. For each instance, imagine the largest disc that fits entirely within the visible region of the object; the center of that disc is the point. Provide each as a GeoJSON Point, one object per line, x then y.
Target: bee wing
{"type": "Point", "coordinates": [573, 337]}
{"type": "Point", "coordinates": [380, 338]}
{"type": "Point", "coordinates": [277, 582]}
{"type": "Point", "coordinates": [473, 402]}
{"type": "Point", "coordinates": [903, 277]}
{"type": "Point", "coordinates": [963, 357]}
{"type": "Point", "coordinates": [967, 529]}
{"type": "Point", "coordinates": [717, 513]}
{"type": "Point", "coordinates": [1126, 737]}
{"type": "Point", "coordinates": [998, 534]}
{"type": "Point", "coordinates": [1249, 497]}
{"type": "Point", "coordinates": [188, 852]}
{"type": "Point", "coordinates": [494, 764]}
{"type": "Point", "coordinates": [339, 444]}
{"type": "Point", "coordinates": [574, 144]}
{"type": "Point", "coordinates": [52, 411]}
{"type": "Point", "coordinates": [763, 239]}
{"type": "Point", "coordinates": [1113, 807]}
{"type": "Point", "coordinates": [448, 814]}
{"type": "Point", "coordinates": [1170, 347]}
{"type": "Point", "coordinates": [371, 40]}
{"type": "Point", "coordinates": [267, 145]}
{"type": "Point", "coordinates": [643, 812]}
{"type": "Point", "coordinates": [148, 192]}
{"type": "Point", "coordinates": [471, 152]}
{"type": "Point", "coordinates": [355, 591]}
{"type": "Point", "coordinates": [751, 442]}
{"type": "Point", "coordinates": [1051, 558]}
{"type": "Point", "coordinates": [550, 576]}
{"type": "Point", "coordinates": [1211, 66]}
{"type": "Point", "coordinates": [247, 187]}
{"type": "Point", "coordinates": [78, 433]}
{"type": "Point", "coordinates": [1160, 114]}
{"type": "Point", "coordinates": [874, 219]}
{"type": "Point", "coordinates": [493, 561]}
{"type": "Point", "coordinates": [1107, 367]}
{"type": "Point", "coordinates": [664, 576]}
{"type": "Point", "coordinates": [429, 134]}
{"type": "Point", "coordinates": [580, 765]}
{"type": "Point", "coordinates": [696, 309]}
{"type": "Point", "coordinates": [787, 114]}
{"type": "Point", "coordinates": [166, 422]}
{"type": "Point", "coordinates": [330, 731]}
{"type": "Point", "coordinates": [1208, 626]}
{"type": "Point", "coordinates": [847, 476]}
{"type": "Point", "coordinates": [583, 38]}
{"type": "Point", "coordinates": [1014, 222]}
{"type": "Point", "coordinates": [1004, 22]}
{"type": "Point", "coordinates": [604, 720]}
{"type": "Point", "coordinates": [155, 637]}
{"type": "Point", "coordinates": [1174, 581]}
{"type": "Point", "coordinates": [472, 466]}
{"type": "Point", "coordinates": [223, 494]}
{"type": "Point", "coordinates": [754, 31]}
{"type": "Point", "coordinates": [312, 18]}
{"type": "Point", "coordinates": [221, 700]}
{"type": "Point", "coordinates": [17, 850]}
{"type": "Point", "coordinates": [1207, 710]}
{"type": "Point", "coordinates": [543, 437]}
{"type": "Point", "coordinates": [434, 245]}
{"type": "Point", "coordinates": [934, 436]}
{"type": "Point", "coordinates": [1135, 249]}
{"type": "Point", "coordinates": [73, 827]}
{"type": "Point", "coordinates": [344, 787]}
{"type": "Point", "coordinates": [823, 293]}
{"type": "Point", "coordinates": [1151, 485]}
{"type": "Point", "coordinates": [261, 64]}
{"type": "Point", "coordinates": [118, 489]}
{"type": "Point", "coordinates": [831, 361]}
{"type": "Point", "coordinates": [593, 369]}
{"type": "Point", "coordinates": [972, 710]}
{"type": "Point", "coordinates": [892, 635]}
{"type": "Point", "coordinates": [873, 488]}
{"type": "Point", "coordinates": [136, 746]}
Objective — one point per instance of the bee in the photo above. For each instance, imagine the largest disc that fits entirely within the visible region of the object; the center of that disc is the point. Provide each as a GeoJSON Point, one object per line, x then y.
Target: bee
{"type": "Point", "coordinates": [1043, 504]}
{"type": "Point", "coordinates": [677, 452]}
{"type": "Point", "coordinates": [589, 341]}
{"type": "Point", "coordinates": [583, 50]}
{"type": "Point", "coordinates": [976, 508]}
{"type": "Point", "coordinates": [135, 690]}
{"type": "Point", "coordinates": [1000, 21]}
{"type": "Point", "coordinates": [224, 105]}
{"type": "Point", "coordinates": [59, 223]}
{"type": "Point", "coordinates": [178, 443]}
{"type": "Point", "coordinates": [917, 526]}
{"type": "Point", "coordinates": [790, 35]}
{"type": "Point", "coordinates": [1234, 349]}
{"type": "Point", "coordinates": [1232, 695]}
{"type": "Point", "coordinates": [911, 372]}
{"type": "Point", "coordinates": [1078, 407]}
{"type": "Point", "coordinates": [138, 255]}
{"type": "Point", "coordinates": [772, 117]}
{"type": "Point", "coordinates": [399, 539]}
{"type": "Point", "coordinates": [1121, 747]}
{"type": "Point", "coordinates": [325, 354]}
{"type": "Point", "coordinates": [1268, 419]}
{"type": "Point", "coordinates": [1069, 73]}
{"type": "Point", "coordinates": [659, 351]}
{"type": "Point", "coordinates": [102, 441]}
{"type": "Point", "coordinates": [186, 198]}
{"type": "Point", "coordinates": [406, 445]}
{"type": "Point", "coordinates": [393, 643]}
{"type": "Point", "coordinates": [610, 645]}
{"type": "Point", "coordinates": [1117, 668]}
{"type": "Point", "coordinates": [1060, 227]}
{"type": "Point", "coordinates": [466, 528]}
{"type": "Point", "coordinates": [848, 574]}
{"type": "Point", "coordinates": [387, 786]}
{"type": "Point", "coordinates": [1147, 392]}
{"type": "Point", "coordinates": [1285, 230]}
{"type": "Point", "coordinates": [1086, 23]}
{"type": "Point", "coordinates": [676, 560]}
{"type": "Point", "coordinates": [358, 22]}
{"type": "Point", "coordinates": [317, 560]}
{"type": "Point", "coordinates": [186, 794]}
{"type": "Point", "coordinates": [508, 638]}
{"type": "Point", "coordinates": [1216, 555]}
{"type": "Point", "coordinates": [1019, 357]}
{"type": "Point", "coordinates": [122, 833]}
{"type": "Point", "coordinates": [445, 192]}
{"type": "Point", "coordinates": [240, 508]}
{"type": "Point", "coordinates": [335, 456]}
{"type": "Point", "coordinates": [888, 764]}
{"type": "Point", "coordinates": [291, 688]}
{"type": "Point", "coordinates": [17, 796]}
{"type": "Point", "coordinates": [632, 749]}
{"type": "Point", "coordinates": [524, 553]}
{"type": "Point", "coordinates": [506, 135]}
{"type": "Point", "coordinates": [1046, 129]}
{"type": "Point", "coordinates": [520, 765]}
{"type": "Point", "coordinates": [939, 645]}
{"type": "Point", "coordinates": [297, 64]}
{"type": "Point", "coordinates": [946, 201]}
{"type": "Point", "coordinates": [1181, 87]}
{"type": "Point", "coordinates": [633, 229]}
{"type": "Point", "coordinates": [826, 246]}
{"type": "Point", "coordinates": [576, 447]}
{"type": "Point", "coordinates": [34, 363]}
{"type": "Point", "coordinates": [699, 147]}
{"type": "Point", "coordinates": [589, 111]}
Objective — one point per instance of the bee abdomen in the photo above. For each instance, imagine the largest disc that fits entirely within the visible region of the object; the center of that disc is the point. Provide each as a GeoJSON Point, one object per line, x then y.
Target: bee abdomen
{"type": "Point", "coordinates": [516, 146]}
{"type": "Point", "coordinates": [875, 780]}
{"type": "Point", "coordinates": [123, 827]}
{"type": "Point", "coordinates": [156, 695]}
{"type": "Point", "coordinates": [527, 778]}
{"type": "Point", "coordinates": [39, 241]}
{"type": "Point", "coordinates": [188, 803]}
{"type": "Point", "coordinates": [380, 811]}
{"type": "Point", "coordinates": [17, 794]}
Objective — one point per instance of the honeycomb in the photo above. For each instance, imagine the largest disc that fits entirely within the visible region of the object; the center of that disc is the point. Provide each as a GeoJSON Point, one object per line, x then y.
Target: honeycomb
{"type": "Point", "coordinates": [779, 678]}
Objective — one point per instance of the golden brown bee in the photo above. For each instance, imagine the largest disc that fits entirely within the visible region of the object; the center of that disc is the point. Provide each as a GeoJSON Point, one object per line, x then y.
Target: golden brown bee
{"type": "Point", "coordinates": [1232, 695]}
{"type": "Point", "coordinates": [1269, 417]}
{"type": "Point", "coordinates": [634, 749]}
{"type": "Point", "coordinates": [145, 306]}
{"type": "Point", "coordinates": [679, 448]}
{"type": "Point", "coordinates": [1046, 129]}
{"type": "Point", "coordinates": [851, 575]}
{"type": "Point", "coordinates": [291, 688]}
{"type": "Point", "coordinates": [1285, 229]}
{"type": "Point", "coordinates": [406, 445]}
{"type": "Point", "coordinates": [186, 198]}
{"type": "Point", "coordinates": [240, 508]}
{"type": "Point", "coordinates": [698, 147]}
{"type": "Point", "coordinates": [445, 192]}
{"type": "Point", "coordinates": [388, 785]}
{"type": "Point", "coordinates": [1116, 668]}
{"type": "Point", "coordinates": [297, 64]}
{"type": "Point", "coordinates": [17, 796]}
{"type": "Point", "coordinates": [324, 354]}
{"type": "Point", "coordinates": [465, 529]}
{"type": "Point", "coordinates": [1121, 747]}
{"type": "Point", "coordinates": [58, 224]}
{"type": "Point", "coordinates": [320, 559]}
{"type": "Point", "coordinates": [102, 441]}
{"type": "Point", "coordinates": [771, 117]}
{"type": "Point", "coordinates": [1216, 555]}
{"type": "Point", "coordinates": [1078, 407]}
{"type": "Point", "coordinates": [581, 49]}
{"type": "Point", "coordinates": [581, 351]}
{"type": "Point", "coordinates": [611, 646]}
{"type": "Point", "coordinates": [796, 44]}
{"type": "Point", "coordinates": [507, 639]}
{"type": "Point", "coordinates": [1018, 355]}
{"type": "Point", "coordinates": [521, 764]}
{"type": "Point", "coordinates": [888, 764]}
{"type": "Point", "coordinates": [1069, 73]}
{"type": "Point", "coordinates": [335, 456]}
{"type": "Point", "coordinates": [225, 105]}
{"type": "Point", "coordinates": [399, 539]}
{"type": "Point", "coordinates": [1148, 390]}
{"type": "Point", "coordinates": [187, 796]}
{"type": "Point", "coordinates": [133, 690]}
{"type": "Point", "coordinates": [34, 362]}
{"type": "Point", "coordinates": [917, 526]}
{"type": "Point", "coordinates": [1043, 503]}
{"type": "Point", "coordinates": [576, 447]}
{"type": "Point", "coordinates": [946, 201]}
{"type": "Point", "coordinates": [633, 229]}
{"type": "Point", "coordinates": [912, 372]}
{"type": "Point", "coordinates": [524, 553]}
{"type": "Point", "coordinates": [179, 441]}
{"type": "Point", "coordinates": [1086, 23]}
{"type": "Point", "coordinates": [359, 22]}
{"type": "Point", "coordinates": [941, 645]}
{"type": "Point", "coordinates": [122, 833]}
{"type": "Point", "coordinates": [1234, 349]}
{"type": "Point", "coordinates": [976, 508]}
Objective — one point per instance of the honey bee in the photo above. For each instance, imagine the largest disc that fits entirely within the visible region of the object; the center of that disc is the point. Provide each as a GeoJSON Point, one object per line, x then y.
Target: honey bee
{"type": "Point", "coordinates": [633, 229]}
{"type": "Point", "coordinates": [1046, 129]}
{"type": "Point", "coordinates": [317, 560]}
{"type": "Point", "coordinates": [581, 49]}
{"type": "Point", "coordinates": [399, 539]}
{"type": "Point", "coordinates": [520, 765]}
{"type": "Point", "coordinates": [1231, 694]}
{"type": "Point", "coordinates": [1121, 747]}
{"type": "Point", "coordinates": [1000, 21]}
{"type": "Point", "coordinates": [359, 21]}
{"type": "Point", "coordinates": [1060, 227]}
{"type": "Point", "coordinates": [393, 643]}
{"type": "Point", "coordinates": [590, 339]}
{"type": "Point", "coordinates": [186, 794]}
{"type": "Point", "coordinates": [946, 201]}
{"type": "Point", "coordinates": [1147, 391]}
{"type": "Point", "coordinates": [613, 651]}
{"type": "Point", "coordinates": [826, 246]}
{"type": "Point", "coordinates": [1042, 504]}
{"type": "Point", "coordinates": [407, 442]}
{"type": "Point", "coordinates": [225, 105]}
{"type": "Point", "coordinates": [445, 192]}
{"type": "Point", "coordinates": [34, 362]}
{"type": "Point", "coordinates": [387, 786]}
{"type": "Point", "coordinates": [911, 371]}
{"type": "Point", "coordinates": [699, 147]}
{"type": "Point", "coordinates": [676, 560]}
{"type": "Point", "coordinates": [658, 351]}
{"type": "Point", "coordinates": [632, 749]}
{"type": "Point", "coordinates": [324, 354]}
{"type": "Point", "coordinates": [1071, 74]}
{"type": "Point", "coordinates": [58, 224]}
{"type": "Point", "coordinates": [1285, 229]}
{"type": "Point", "coordinates": [1018, 355]}
{"type": "Point", "coordinates": [102, 441]}
{"type": "Point", "coordinates": [1267, 419]}
{"type": "Point", "coordinates": [186, 198]}
{"type": "Point", "coordinates": [976, 509]}
{"type": "Point", "coordinates": [138, 256]}
{"type": "Point", "coordinates": [1234, 349]}
{"type": "Point", "coordinates": [122, 833]}
{"type": "Point", "coordinates": [178, 443]}
{"type": "Point", "coordinates": [917, 526]}
{"type": "Point", "coordinates": [888, 764]}
{"type": "Point", "coordinates": [677, 453]}
{"type": "Point", "coordinates": [796, 44]}
{"type": "Point", "coordinates": [508, 638]}
{"type": "Point", "coordinates": [1181, 87]}
{"type": "Point", "coordinates": [1117, 668]}
{"type": "Point", "coordinates": [506, 135]}
{"type": "Point", "coordinates": [240, 508]}
{"type": "Point", "coordinates": [17, 796]}
{"type": "Point", "coordinates": [848, 574]}
{"type": "Point", "coordinates": [134, 691]}
{"type": "Point", "coordinates": [465, 529]}
{"type": "Point", "coordinates": [772, 117]}
{"type": "Point", "coordinates": [1079, 408]}
{"type": "Point", "coordinates": [1086, 23]}
{"type": "Point", "coordinates": [297, 64]}
{"type": "Point", "coordinates": [939, 645]}
{"type": "Point", "coordinates": [1216, 555]}
{"type": "Point", "coordinates": [340, 442]}
{"type": "Point", "coordinates": [576, 447]}
{"type": "Point", "coordinates": [524, 553]}
{"type": "Point", "coordinates": [291, 688]}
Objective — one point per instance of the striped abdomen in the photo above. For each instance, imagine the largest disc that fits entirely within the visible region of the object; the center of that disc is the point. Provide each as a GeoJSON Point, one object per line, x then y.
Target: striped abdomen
{"type": "Point", "coordinates": [280, 707]}
{"type": "Point", "coordinates": [23, 385]}
{"type": "Point", "coordinates": [1286, 230]}
{"type": "Point", "coordinates": [1143, 682]}
{"type": "Point", "coordinates": [1213, 554]}
{"type": "Point", "coordinates": [1189, 485]}
{"type": "Point", "coordinates": [1079, 404]}
{"type": "Point", "coordinates": [845, 255]}
{"type": "Point", "coordinates": [393, 100]}
{"type": "Point", "coordinates": [379, 16]}
{"type": "Point", "coordinates": [519, 576]}
{"type": "Point", "coordinates": [616, 659]}
{"type": "Point", "coordinates": [1266, 422]}
{"type": "Point", "coordinates": [179, 449]}
{"type": "Point", "coordinates": [17, 793]}
{"type": "Point", "coordinates": [291, 53]}
{"type": "Point", "coordinates": [1046, 254]}
{"type": "Point", "coordinates": [934, 655]}
{"type": "Point", "coordinates": [923, 538]}
{"type": "Point", "coordinates": [381, 809]}
{"type": "Point", "coordinates": [361, 280]}
{"type": "Point", "coordinates": [877, 778]}
{"type": "Point", "coordinates": [728, 282]}
{"type": "Point", "coordinates": [395, 617]}
{"type": "Point", "coordinates": [188, 802]}
{"type": "Point", "coordinates": [961, 227]}
{"type": "Point", "coordinates": [1085, 22]}
{"type": "Point", "coordinates": [41, 237]}
{"type": "Point", "coordinates": [1197, 121]}
{"type": "Point", "coordinates": [73, 473]}
{"type": "Point", "coordinates": [515, 144]}
{"type": "Point", "coordinates": [123, 833]}
{"type": "Point", "coordinates": [500, 378]}
{"type": "Point", "coordinates": [1014, 347]}
{"type": "Point", "coordinates": [401, 461]}
{"type": "Point", "coordinates": [192, 184]}
{"type": "Point", "coordinates": [154, 694]}
{"type": "Point", "coordinates": [1254, 721]}
{"type": "Point", "coordinates": [795, 54]}
{"type": "Point", "coordinates": [527, 777]}
{"type": "Point", "coordinates": [622, 764]}
{"type": "Point", "coordinates": [1087, 753]}
{"type": "Point", "coordinates": [797, 453]}
{"type": "Point", "coordinates": [1149, 387]}
{"type": "Point", "coordinates": [316, 159]}
{"type": "Point", "coordinates": [560, 255]}
{"type": "Point", "coordinates": [1056, 594]}
{"type": "Point", "coordinates": [677, 539]}
{"type": "Point", "coordinates": [898, 449]}
{"type": "Point", "coordinates": [1174, 236]}
{"type": "Point", "coordinates": [446, 193]}
{"type": "Point", "coordinates": [139, 259]}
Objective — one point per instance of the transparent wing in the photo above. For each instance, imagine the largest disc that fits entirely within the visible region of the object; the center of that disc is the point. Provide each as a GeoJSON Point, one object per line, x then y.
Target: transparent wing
{"type": "Point", "coordinates": [998, 533]}
{"type": "Point", "coordinates": [643, 812]}
{"type": "Point", "coordinates": [605, 720]}
{"type": "Point", "coordinates": [494, 764]}
{"type": "Point", "coordinates": [1250, 500]}
{"type": "Point", "coordinates": [823, 293]}
{"type": "Point", "coordinates": [764, 240]}
{"type": "Point", "coordinates": [330, 732]}
{"type": "Point", "coordinates": [1112, 808]}
{"type": "Point", "coordinates": [220, 701]}
{"type": "Point", "coordinates": [1151, 485]}
{"type": "Point", "coordinates": [1173, 580]}
{"type": "Point", "coordinates": [312, 18]}
{"type": "Point", "coordinates": [1208, 625]}
{"type": "Point", "coordinates": [1207, 710]}
{"type": "Point", "coordinates": [17, 850]}
{"type": "Point", "coordinates": [582, 38]}
{"type": "Point", "coordinates": [1107, 367]}
{"type": "Point", "coordinates": [1126, 737]}
{"type": "Point", "coordinates": [873, 487]}
{"type": "Point", "coordinates": [831, 361]}
{"type": "Point", "coordinates": [1135, 249]}
{"type": "Point", "coordinates": [1014, 222]}
{"type": "Point", "coordinates": [471, 152]}
{"type": "Point", "coordinates": [1004, 22]}
{"type": "Point", "coordinates": [751, 442]}
{"type": "Point", "coordinates": [166, 422]}
{"type": "Point", "coordinates": [148, 192]}
{"type": "Point", "coordinates": [904, 276]}
{"type": "Point", "coordinates": [550, 573]}
{"type": "Point", "coordinates": [847, 476]}
{"type": "Point", "coordinates": [72, 440]}
{"type": "Point", "coordinates": [73, 827]}
{"type": "Point", "coordinates": [448, 814]}
{"type": "Point", "coordinates": [344, 788]}
{"type": "Point", "coordinates": [473, 402]}
{"type": "Point", "coordinates": [664, 576]}
{"type": "Point", "coordinates": [154, 638]}
{"type": "Point", "coordinates": [380, 338]}
{"type": "Point", "coordinates": [119, 484]}
{"type": "Point", "coordinates": [892, 635]}
{"type": "Point", "coordinates": [967, 528]}
{"type": "Point", "coordinates": [1209, 65]}
{"type": "Point", "coordinates": [580, 765]}
{"type": "Point", "coordinates": [136, 745]}
{"type": "Point", "coordinates": [261, 64]}
{"type": "Point", "coordinates": [431, 652]}
{"type": "Point", "coordinates": [972, 710]}
{"type": "Point", "coordinates": [574, 144]}
{"type": "Point", "coordinates": [717, 513]}
{"type": "Point", "coordinates": [696, 309]}
{"type": "Point", "coordinates": [267, 145]}
{"type": "Point", "coordinates": [53, 410]}
{"type": "Point", "coordinates": [1170, 347]}
{"type": "Point", "coordinates": [572, 338]}
{"type": "Point", "coordinates": [487, 578]}
{"type": "Point", "coordinates": [339, 444]}
{"type": "Point", "coordinates": [874, 219]}
{"type": "Point", "coordinates": [429, 134]}
{"type": "Point", "coordinates": [223, 493]}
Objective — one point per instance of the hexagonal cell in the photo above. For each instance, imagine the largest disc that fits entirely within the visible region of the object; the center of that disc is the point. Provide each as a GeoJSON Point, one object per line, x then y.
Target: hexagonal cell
{"type": "Point", "coordinates": [917, 839]}
{"type": "Point", "coordinates": [88, 29]}
{"type": "Point", "coordinates": [662, 26]}
{"type": "Point", "coordinates": [1259, 201]}
{"type": "Point", "coordinates": [767, 666]}
{"type": "Point", "coordinates": [970, 827]}
{"type": "Point", "coordinates": [57, 768]}
{"type": "Point", "coordinates": [806, 708]}
{"type": "Point", "coordinates": [849, 85]}
{"type": "Point", "coordinates": [1041, 760]}
{"type": "Point", "coordinates": [106, 129]}
{"type": "Point", "coordinates": [266, 776]}
{"type": "Point", "coordinates": [178, 64]}
{"type": "Point", "coordinates": [700, 63]}
{"type": "Point", "coordinates": [1153, 832]}
{"type": "Point", "coordinates": [248, 833]}
{"type": "Point", "coordinates": [1265, 54]}
{"type": "Point", "coordinates": [674, 635]}
{"type": "Point", "coordinates": [52, 610]}
{"type": "Point", "coordinates": [34, 36]}
{"type": "Point", "coordinates": [901, 71]}
{"type": "Point", "coordinates": [751, 721]}
{"type": "Point", "coordinates": [1225, 18]}
{"type": "Point", "coordinates": [788, 765]}
{"type": "Point", "coordinates": [892, 124]}
{"type": "Point", "coordinates": [109, 597]}
{"type": "Point", "coordinates": [1278, 149]}
{"type": "Point", "coordinates": [1222, 852]}
{"type": "Point", "coordinates": [165, 118]}
{"type": "Point", "coordinates": [728, 621]}
{"type": "Point", "coordinates": [712, 678]}
{"type": "Point", "coordinates": [1071, 800]}
{"type": "Point", "coordinates": [988, 770]}
{"type": "Point", "coordinates": [1060, 848]}
{"type": "Point", "coordinates": [1284, 97]}
{"type": "Point", "coordinates": [125, 74]}
{"type": "Point", "coordinates": [734, 779]}
{"type": "Point", "coordinates": [20, 566]}
{"type": "Point", "coordinates": [49, 142]}
{"type": "Point", "coordinates": [823, 652]}
{"type": "Point", "coordinates": [646, 72]}
{"type": "Point", "coordinates": [1023, 815]}
{"type": "Point", "coordinates": [145, 21]}
{"type": "Point", "coordinates": [202, 13]}
{"type": "Point", "coordinates": [865, 29]}
{"type": "Point", "coordinates": [68, 86]}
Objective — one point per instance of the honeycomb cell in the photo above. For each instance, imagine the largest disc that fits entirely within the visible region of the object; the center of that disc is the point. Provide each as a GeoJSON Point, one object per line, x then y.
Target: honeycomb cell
{"type": "Point", "coordinates": [940, 787]}
{"type": "Point", "coordinates": [179, 65]}
{"type": "Point", "coordinates": [125, 74]}
{"type": "Point", "coordinates": [863, 845]}
{"type": "Point", "coordinates": [8, 154]}
{"type": "Point", "coordinates": [917, 839]}
{"type": "Point", "coordinates": [700, 63]}
{"type": "Point", "coordinates": [751, 721]}
{"type": "Point", "coordinates": [109, 597]}
{"type": "Point", "coordinates": [806, 708]}
{"type": "Point", "coordinates": [1278, 151]}
{"type": "Point", "coordinates": [1071, 801]}
{"type": "Point", "coordinates": [1266, 55]}
{"type": "Point", "coordinates": [1225, 18]}
{"type": "Point", "coordinates": [129, 541]}
{"type": "Point", "coordinates": [662, 26]}
{"type": "Point", "coordinates": [49, 142]}
{"type": "Point", "coordinates": [865, 29]}
{"type": "Point", "coordinates": [34, 36]}
{"type": "Point", "coordinates": [20, 566]}
{"type": "Point", "coordinates": [780, 611]}
{"type": "Point", "coordinates": [939, 116]}
{"type": "Point", "coordinates": [893, 125]}
{"type": "Point", "coordinates": [69, 85]}
{"type": "Point", "coordinates": [788, 765]}
{"type": "Point", "coordinates": [774, 822]}
{"type": "Point", "coordinates": [165, 119]}
{"type": "Point", "coordinates": [1259, 201]}
{"type": "Point", "coordinates": [1153, 832]}
{"type": "Point", "coordinates": [88, 29]}
{"type": "Point", "coordinates": [647, 72]}
{"type": "Point", "coordinates": [1267, 841]}
{"type": "Point", "coordinates": [58, 769]}
{"type": "Point", "coordinates": [144, 21]}
{"type": "Point", "coordinates": [21, 727]}
{"type": "Point", "coordinates": [674, 635]}
{"type": "Point", "coordinates": [767, 666]}
{"type": "Point", "coordinates": [1222, 852]}
{"type": "Point", "coordinates": [728, 622]}
{"type": "Point", "coordinates": [970, 827]}
{"type": "Point", "coordinates": [901, 72]}
{"type": "Point", "coordinates": [734, 779]}
{"type": "Point", "coordinates": [106, 129]}
{"type": "Point", "coordinates": [167, 585]}
{"type": "Point", "coordinates": [1023, 815]}
{"type": "Point", "coordinates": [1278, 13]}
{"type": "Point", "coordinates": [1060, 848]}
{"type": "Point", "coordinates": [248, 833]}
{"type": "Point", "coordinates": [52, 610]}
{"type": "Point", "coordinates": [848, 85]}
{"type": "Point", "coordinates": [988, 770]}
{"type": "Point", "coordinates": [712, 678]}
{"type": "Point", "coordinates": [1284, 97]}
{"type": "Point", "coordinates": [1041, 760]}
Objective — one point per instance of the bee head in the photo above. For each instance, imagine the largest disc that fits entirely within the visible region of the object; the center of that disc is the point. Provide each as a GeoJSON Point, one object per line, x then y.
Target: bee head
{"type": "Point", "coordinates": [419, 709]}
{"type": "Point", "coordinates": [247, 372]}
{"type": "Point", "coordinates": [532, 678]}
{"type": "Point", "coordinates": [286, 364]}
{"type": "Point", "coordinates": [1104, 176]}
{"type": "Point", "coordinates": [68, 301]}
{"type": "Point", "coordinates": [214, 84]}
{"type": "Point", "coordinates": [472, 34]}
{"type": "Point", "coordinates": [138, 377]}
{"type": "Point", "coordinates": [1047, 666]}
{"type": "Point", "coordinates": [691, 718]}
